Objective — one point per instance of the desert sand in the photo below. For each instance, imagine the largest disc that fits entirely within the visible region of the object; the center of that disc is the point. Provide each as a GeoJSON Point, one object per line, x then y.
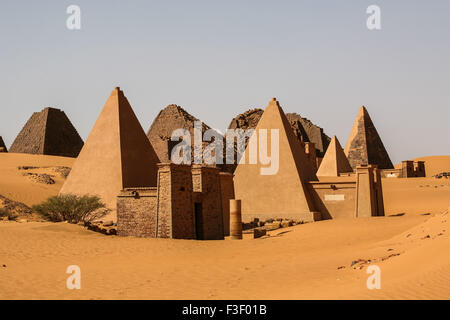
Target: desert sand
{"type": "Point", "coordinates": [435, 164]}
{"type": "Point", "coordinates": [14, 185]}
{"type": "Point", "coordinates": [410, 245]}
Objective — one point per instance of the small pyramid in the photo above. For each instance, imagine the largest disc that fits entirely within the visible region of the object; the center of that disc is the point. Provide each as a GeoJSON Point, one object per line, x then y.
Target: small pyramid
{"type": "Point", "coordinates": [116, 155]}
{"type": "Point", "coordinates": [48, 132]}
{"type": "Point", "coordinates": [2, 145]}
{"type": "Point", "coordinates": [364, 146]}
{"type": "Point", "coordinates": [335, 162]}
{"type": "Point", "coordinates": [284, 193]}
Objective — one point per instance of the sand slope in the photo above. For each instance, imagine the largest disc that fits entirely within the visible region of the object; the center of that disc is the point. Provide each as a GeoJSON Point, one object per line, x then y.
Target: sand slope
{"type": "Point", "coordinates": [308, 261]}
{"type": "Point", "coordinates": [301, 262]}
{"type": "Point", "coordinates": [433, 164]}
{"type": "Point", "coordinates": [15, 186]}
{"type": "Point", "coordinates": [415, 195]}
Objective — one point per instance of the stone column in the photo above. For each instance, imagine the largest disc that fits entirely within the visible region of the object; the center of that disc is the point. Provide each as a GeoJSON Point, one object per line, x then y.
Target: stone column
{"type": "Point", "coordinates": [235, 219]}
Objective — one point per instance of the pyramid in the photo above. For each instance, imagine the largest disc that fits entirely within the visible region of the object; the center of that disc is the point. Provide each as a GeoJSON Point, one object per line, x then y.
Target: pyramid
{"type": "Point", "coordinates": [303, 128]}
{"type": "Point", "coordinates": [168, 120]}
{"type": "Point", "coordinates": [48, 132]}
{"type": "Point", "coordinates": [285, 193]}
{"type": "Point", "coordinates": [335, 162]}
{"type": "Point", "coordinates": [116, 155]}
{"type": "Point", "coordinates": [2, 145]}
{"type": "Point", "coordinates": [364, 146]}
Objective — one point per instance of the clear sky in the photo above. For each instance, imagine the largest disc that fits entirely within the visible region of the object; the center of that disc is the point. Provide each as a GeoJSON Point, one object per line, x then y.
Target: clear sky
{"type": "Point", "coordinates": [218, 58]}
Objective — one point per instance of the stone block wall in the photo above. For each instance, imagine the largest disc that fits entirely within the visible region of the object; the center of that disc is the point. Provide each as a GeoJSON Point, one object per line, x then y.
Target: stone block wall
{"type": "Point", "coordinates": [136, 212]}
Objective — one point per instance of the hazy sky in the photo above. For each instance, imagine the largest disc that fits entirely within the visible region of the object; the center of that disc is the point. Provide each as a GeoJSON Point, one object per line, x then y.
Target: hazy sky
{"type": "Point", "coordinates": [218, 58]}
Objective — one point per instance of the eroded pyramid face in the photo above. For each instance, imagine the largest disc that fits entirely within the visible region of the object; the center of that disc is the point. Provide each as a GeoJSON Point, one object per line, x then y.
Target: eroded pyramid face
{"type": "Point", "coordinates": [48, 132]}
{"type": "Point", "coordinates": [364, 146]}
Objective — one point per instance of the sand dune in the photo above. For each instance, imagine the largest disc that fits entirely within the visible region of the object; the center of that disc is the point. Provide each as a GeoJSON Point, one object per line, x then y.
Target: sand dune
{"type": "Point", "coordinates": [307, 261]}
{"type": "Point", "coordinates": [14, 185]}
{"type": "Point", "coordinates": [433, 164]}
{"type": "Point", "coordinates": [301, 262]}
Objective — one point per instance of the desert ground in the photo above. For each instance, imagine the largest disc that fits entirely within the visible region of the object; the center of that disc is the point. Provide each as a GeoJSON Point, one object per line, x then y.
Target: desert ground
{"type": "Point", "coordinates": [321, 260]}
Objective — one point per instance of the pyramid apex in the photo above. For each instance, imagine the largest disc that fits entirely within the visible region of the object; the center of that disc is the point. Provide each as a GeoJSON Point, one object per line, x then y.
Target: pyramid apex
{"type": "Point", "coordinates": [364, 145]}
{"type": "Point", "coordinates": [116, 91]}
{"type": "Point", "coordinates": [363, 109]}
{"type": "Point", "coordinates": [274, 102]}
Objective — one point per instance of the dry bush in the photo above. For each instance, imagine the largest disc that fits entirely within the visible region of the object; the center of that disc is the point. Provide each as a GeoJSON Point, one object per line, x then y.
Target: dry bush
{"type": "Point", "coordinates": [72, 208]}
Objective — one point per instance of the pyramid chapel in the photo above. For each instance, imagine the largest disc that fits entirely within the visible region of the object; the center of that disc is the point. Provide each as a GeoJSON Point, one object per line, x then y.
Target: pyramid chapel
{"type": "Point", "coordinates": [148, 198]}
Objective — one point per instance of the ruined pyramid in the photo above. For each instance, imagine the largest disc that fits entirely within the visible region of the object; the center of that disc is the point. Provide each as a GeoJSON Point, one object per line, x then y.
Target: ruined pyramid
{"type": "Point", "coordinates": [116, 155]}
{"type": "Point", "coordinates": [2, 145]}
{"type": "Point", "coordinates": [169, 119]}
{"type": "Point", "coordinates": [364, 145]}
{"type": "Point", "coordinates": [335, 162]}
{"type": "Point", "coordinates": [280, 195]}
{"type": "Point", "coordinates": [48, 132]}
{"type": "Point", "coordinates": [303, 128]}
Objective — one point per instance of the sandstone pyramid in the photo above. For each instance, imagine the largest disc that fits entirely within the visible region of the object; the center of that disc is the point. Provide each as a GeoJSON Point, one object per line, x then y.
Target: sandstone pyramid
{"type": "Point", "coordinates": [168, 120]}
{"type": "Point", "coordinates": [335, 162]}
{"type": "Point", "coordinates": [48, 132]}
{"type": "Point", "coordinates": [116, 155]}
{"type": "Point", "coordinates": [2, 145]}
{"type": "Point", "coordinates": [303, 128]}
{"type": "Point", "coordinates": [285, 193]}
{"type": "Point", "coordinates": [364, 146]}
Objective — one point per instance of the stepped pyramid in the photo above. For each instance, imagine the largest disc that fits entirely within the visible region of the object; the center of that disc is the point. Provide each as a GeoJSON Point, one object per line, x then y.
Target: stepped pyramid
{"type": "Point", "coordinates": [2, 145]}
{"type": "Point", "coordinates": [116, 155]}
{"type": "Point", "coordinates": [335, 161]}
{"type": "Point", "coordinates": [364, 145]}
{"type": "Point", "coordinates": [48, 132]}
{"type": "Point", "coordinates": [285, 193]}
